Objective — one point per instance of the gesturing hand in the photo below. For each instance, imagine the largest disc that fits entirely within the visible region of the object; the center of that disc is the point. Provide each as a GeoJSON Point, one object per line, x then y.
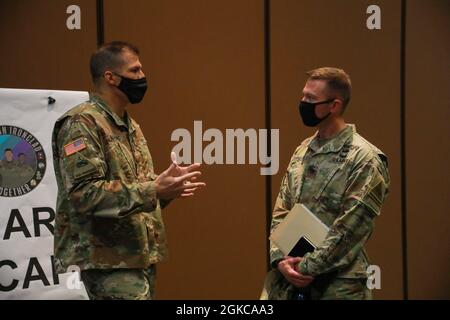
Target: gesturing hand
{"type": "Point", "coordinates": [177, 181]}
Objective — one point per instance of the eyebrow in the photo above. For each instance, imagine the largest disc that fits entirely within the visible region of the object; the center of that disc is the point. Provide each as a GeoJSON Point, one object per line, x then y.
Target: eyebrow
{"type": "Point", "coordinates": [307, 94]}
{"type": "Point", "coordinates": [135, 68]}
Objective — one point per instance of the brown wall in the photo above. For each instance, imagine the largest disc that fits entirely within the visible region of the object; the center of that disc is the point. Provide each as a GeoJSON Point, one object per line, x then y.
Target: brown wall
{"type": "Point", "coordinates": [37, 49]}
{"type": "Point", "coordinates": [205, 61]}
{"type": "Point", "coordinates": [427, 151]}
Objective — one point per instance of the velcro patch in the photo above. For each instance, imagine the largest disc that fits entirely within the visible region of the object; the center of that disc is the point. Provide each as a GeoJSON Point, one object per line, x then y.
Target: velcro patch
{"type": "Point", "coordinates": [74, 146]}
{"type": "Point", "coordinates": [83, 168]}
{"type": "Point", "coordinates": [374, 199]}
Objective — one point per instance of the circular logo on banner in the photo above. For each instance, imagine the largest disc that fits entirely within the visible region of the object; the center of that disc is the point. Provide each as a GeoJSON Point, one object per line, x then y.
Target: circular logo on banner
{"type": "Point", "coordinates": [22, 161]}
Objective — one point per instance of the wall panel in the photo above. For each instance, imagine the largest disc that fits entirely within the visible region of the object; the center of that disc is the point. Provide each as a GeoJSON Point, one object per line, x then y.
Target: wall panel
{"type": "Point", "coordinates": [204, 60]}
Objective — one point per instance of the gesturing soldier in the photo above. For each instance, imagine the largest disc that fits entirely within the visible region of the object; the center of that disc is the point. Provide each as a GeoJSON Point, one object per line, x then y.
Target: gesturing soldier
{"type": "Point", "coordinates": [108, 220]}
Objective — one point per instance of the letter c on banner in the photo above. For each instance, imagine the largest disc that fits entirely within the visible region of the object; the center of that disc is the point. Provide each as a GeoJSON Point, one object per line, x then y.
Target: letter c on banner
{"type": "Point", "coordinates": [15, 282]}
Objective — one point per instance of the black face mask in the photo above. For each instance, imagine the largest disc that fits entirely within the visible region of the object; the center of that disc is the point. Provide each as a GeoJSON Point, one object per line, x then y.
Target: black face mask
{"type": "Point", "coordinates": [308, 112]}
{"type": "Point", "coordinates": [134, 89]}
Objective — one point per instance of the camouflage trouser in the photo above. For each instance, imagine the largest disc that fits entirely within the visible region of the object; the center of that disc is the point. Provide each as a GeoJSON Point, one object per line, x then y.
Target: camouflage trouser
{"type": "Point", "coordinates": [276, 287]}
{"type": "Point", "coordinates": [120, 284]}
{"type": "Point", "coordinates": [343, 289]}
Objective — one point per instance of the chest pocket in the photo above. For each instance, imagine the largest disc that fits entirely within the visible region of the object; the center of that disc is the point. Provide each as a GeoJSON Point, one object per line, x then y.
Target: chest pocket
{"type": "Point", "coordinates": [144, 160]}
{"type": "Point", "coordinates": [295, 173]}
{"type": "Point", "coordinates": [121, 162]}
{"type": "Point", "coordinates": [295, 181]}
{"type": "Point", "coordinates": [331, 192]}
{"type": "Point", "coordinates": [315, 189]}
{"type": "Point", "coordinates": [326, 182]}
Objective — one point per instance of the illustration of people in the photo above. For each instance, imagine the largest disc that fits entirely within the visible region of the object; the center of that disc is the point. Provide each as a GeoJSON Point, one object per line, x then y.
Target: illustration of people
{"type": "Point", "coordinates": [14, 173]}
{"type": "Point", "coordinates": [26, 172]}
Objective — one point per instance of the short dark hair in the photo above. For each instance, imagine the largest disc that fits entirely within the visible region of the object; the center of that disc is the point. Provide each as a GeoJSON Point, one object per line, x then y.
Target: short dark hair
{"type": "Point", "coordinates": [21, 154]}
{"type": "Point", "coordinates": [8, 149]}
{"type": "Point", "coordinates": [109, 56]}
{"type": "Point", "coordinates": [337, 81]}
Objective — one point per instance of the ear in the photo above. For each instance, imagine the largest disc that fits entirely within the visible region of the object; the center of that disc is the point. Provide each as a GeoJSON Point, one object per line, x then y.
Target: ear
{"type": "Point", "coordinates": [338, 106]}
{"type": "Point", "coordinates": [111, 78]}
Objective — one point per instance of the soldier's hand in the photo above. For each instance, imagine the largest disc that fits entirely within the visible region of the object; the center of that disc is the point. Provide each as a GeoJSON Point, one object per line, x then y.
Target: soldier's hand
{"type": "Point", "coordinates": [177, 182]}
{"type": "Point", "coordinates": [178, 170]}
{"type": "Point", "coordinates": [288, 268]}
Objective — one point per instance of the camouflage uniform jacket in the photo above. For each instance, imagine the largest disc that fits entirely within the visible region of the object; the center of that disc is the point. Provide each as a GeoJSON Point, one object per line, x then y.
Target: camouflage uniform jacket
{"type": "Point", "coordinates": [344, 182]}
{"type": "Point", "coordinates": [108, 215]}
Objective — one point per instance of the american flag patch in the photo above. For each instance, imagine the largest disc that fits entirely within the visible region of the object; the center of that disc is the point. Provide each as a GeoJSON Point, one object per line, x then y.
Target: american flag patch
{"type": "Point", "coordinates": [75, 146]}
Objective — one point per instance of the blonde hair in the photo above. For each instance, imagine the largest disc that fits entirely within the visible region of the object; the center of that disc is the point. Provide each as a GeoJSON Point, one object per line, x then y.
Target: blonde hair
{"type": "Point", "coordinates": [337, 81]}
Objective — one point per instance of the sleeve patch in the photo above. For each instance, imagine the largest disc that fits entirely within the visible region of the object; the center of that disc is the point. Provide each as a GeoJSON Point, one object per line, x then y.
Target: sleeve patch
{"type": "Point", "coordinates": [74, 147]}
{"type": "Point", "coordinates": [374, 199]}
{"type": "Point", "coordinates": [84, 169]}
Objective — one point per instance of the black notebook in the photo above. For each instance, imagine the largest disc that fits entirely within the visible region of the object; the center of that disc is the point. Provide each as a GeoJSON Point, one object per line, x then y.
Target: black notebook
{"type": "Point", "coordinates": [302, 247]}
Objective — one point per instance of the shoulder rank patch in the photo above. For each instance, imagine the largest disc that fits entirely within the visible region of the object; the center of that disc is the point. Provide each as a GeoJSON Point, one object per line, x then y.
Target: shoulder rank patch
{"type": "Point", "coordinates": [74, 146]}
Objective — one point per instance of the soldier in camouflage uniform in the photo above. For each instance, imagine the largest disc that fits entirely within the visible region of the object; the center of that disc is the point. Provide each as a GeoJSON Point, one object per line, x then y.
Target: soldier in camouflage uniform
{"type": "Point", "coordinates": [9, 171]}
{"type": "Point", "coordinates": [26, 172]}
{"type": "Point", "coordinates": [108, 220]}
{"type": "Point", "coordinates": [343, 179]}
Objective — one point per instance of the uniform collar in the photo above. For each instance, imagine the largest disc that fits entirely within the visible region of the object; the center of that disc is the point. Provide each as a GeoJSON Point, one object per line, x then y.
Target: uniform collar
{"type": "Point", "coordinates": [126, 122]}
{"type": "Point", "coordinates": [334, 144]}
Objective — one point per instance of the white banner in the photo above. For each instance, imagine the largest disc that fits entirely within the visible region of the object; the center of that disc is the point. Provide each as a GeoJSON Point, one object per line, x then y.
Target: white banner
{"type": "Point", "coordinates": [28, 194]}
